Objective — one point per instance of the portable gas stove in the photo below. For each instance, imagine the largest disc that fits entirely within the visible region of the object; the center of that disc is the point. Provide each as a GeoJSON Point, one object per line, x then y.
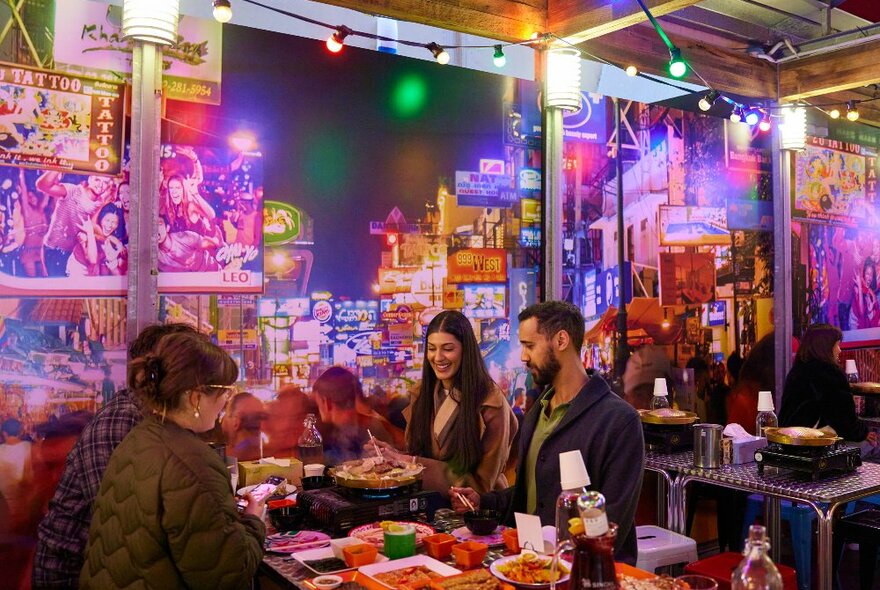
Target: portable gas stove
{"type": "Point", "coordinates": [337, 509]}
{"type": "Point", "coordinates": [668, 438]}
{"type": "Point", "coordinates": [815, 461]}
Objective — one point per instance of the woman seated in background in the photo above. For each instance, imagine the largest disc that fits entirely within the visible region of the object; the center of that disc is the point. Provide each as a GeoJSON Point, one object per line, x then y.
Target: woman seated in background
{"type": "Point", "coordinates": [817, 393]}
{"type": "Point", "coordinates": [165, 516]}
{"type": "Point", "coordinates": [458, 424]}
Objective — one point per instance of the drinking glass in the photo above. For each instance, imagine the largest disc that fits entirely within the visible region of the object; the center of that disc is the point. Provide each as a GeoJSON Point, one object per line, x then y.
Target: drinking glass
{"type": "Point", "coordinates": [400, 541]}
{"type": "Point", "coordinates": [695, 582]}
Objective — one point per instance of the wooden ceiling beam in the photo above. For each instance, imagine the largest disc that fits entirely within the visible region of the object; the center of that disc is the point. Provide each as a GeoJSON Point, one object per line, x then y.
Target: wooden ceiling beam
{"type": "Point", "coordinates": [505, 20]}
{"type": "Point", "coordinates": [724, 70]}
{"type": "Point", "coordinates": [852, 67]}
{"type": "Point", "coordinates": [580, 20]}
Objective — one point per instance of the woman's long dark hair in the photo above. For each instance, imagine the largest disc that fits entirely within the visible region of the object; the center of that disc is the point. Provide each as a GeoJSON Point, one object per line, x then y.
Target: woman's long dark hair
{"type": "Point", "coordinates": [818, 343]}
{"type": "Point", "coordinates": [473, 384]}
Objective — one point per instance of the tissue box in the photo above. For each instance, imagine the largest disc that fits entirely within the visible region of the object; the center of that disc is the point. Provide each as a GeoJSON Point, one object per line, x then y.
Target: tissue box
{"type": "Point", "coordinates": [744, 448]}
{"type": "Point", "coordinates": [253, 472]}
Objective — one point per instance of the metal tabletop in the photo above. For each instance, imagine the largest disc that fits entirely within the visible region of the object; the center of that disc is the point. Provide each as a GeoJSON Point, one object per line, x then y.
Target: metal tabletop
{"type": "Point", "coordinates": [823, 495]}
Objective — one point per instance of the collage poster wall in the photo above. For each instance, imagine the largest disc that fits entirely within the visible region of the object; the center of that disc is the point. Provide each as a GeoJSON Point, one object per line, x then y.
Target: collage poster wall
{"type": "Point", "coordinates": [836, 193]}
{"type": "Point", "coordinates": [66, 235]}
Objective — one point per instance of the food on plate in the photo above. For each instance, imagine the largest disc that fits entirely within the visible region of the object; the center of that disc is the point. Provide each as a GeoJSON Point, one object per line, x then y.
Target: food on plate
{"type": "Point", "coordinates": [800, 432]}
{"type": "Point", "coordinates": [377, 469]}
{"type": "Point", "coordinates": [407, 575]}
{"type": "Point", "coordinates": [374, 534]}
{"type": "Point", "coordinates": [667, 413]}
{"type": "Point", "coordinates": [631, 583]}
{"type": "Point", "coordinates": [529, 568]}
{"type": "Point", "coordinates": [475, 580]}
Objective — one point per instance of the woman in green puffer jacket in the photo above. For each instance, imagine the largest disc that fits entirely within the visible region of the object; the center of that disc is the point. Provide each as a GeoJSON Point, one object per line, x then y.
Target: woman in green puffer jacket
{"type": "Point", "coordinates": [165, 516]}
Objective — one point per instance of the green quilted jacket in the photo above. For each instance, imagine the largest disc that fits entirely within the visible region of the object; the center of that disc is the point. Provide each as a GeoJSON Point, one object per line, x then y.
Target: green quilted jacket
{"type": "Point", "coordinates": [165, 518]}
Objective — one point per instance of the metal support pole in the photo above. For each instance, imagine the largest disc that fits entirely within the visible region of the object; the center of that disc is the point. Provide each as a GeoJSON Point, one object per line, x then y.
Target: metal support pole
{"type": "Point", "coordinates": [782, 267]}
{"type": "Point", "coordinates": [551, 130]}
{"type": "Point", "coordinates": [782, 293]}
{"type": "Point", "coordinates": [142, 247]}
{"type": "Point", "coordinates": [622, 344]}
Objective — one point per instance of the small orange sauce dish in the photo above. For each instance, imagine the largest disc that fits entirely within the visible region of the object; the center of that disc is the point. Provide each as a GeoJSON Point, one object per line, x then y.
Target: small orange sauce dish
{"type": "Point", "coordinates": [511, 540]}
{"type": "Point", "coordinates": [469, 554]}
{"type": "Point", "coordinates": [439, 546]}
{"type": "Point", "coordinates": [358, 555]}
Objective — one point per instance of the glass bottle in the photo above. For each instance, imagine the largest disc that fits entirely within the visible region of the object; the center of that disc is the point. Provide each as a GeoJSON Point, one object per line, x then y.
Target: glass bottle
{"type": "Point", "coordinates": [573, 481]}
{"type": "Point", "coordinates": [310, 446]}
{"type": "Point", "coordinates": [852, 373]}
{"type": "Point", "coordinates": [756, 571]}
{"type": "Point", "coordinates": [766, 417]}
{"type": "Point", "coordinates": [593, 563]}
{"type": "Point", "coordinates": [659, 401]}
{"type": "Point", "coordinates": [661, 394]}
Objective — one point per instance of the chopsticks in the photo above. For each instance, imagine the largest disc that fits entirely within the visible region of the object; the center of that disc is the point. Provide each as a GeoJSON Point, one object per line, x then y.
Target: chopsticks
{"type": "Point", "coordinates": [375, 446]}
{"type": "Point", "coordinates": [465, 501]}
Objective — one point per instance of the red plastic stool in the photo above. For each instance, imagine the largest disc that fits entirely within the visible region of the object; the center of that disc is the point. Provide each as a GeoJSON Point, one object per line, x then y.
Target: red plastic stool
{"type": "Point", "coordinates": [720, 567]}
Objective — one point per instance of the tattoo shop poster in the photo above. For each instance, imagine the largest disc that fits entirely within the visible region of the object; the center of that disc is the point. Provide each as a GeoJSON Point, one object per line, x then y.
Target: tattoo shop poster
{"type": "Point", "coordinates": [60, 121]}
{"type": "Point", "coordinates": [836, 182]}
{"type": "Point", "coordinates": [65, 235]}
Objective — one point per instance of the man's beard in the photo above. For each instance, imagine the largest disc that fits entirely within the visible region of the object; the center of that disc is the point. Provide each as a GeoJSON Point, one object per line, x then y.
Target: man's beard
{"type": "Point", "coordinates": [545, 375]}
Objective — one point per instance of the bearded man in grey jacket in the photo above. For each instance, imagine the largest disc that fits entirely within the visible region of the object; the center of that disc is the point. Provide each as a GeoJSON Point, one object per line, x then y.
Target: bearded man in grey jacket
{"type": "Point", "coordinates": [574, 412]}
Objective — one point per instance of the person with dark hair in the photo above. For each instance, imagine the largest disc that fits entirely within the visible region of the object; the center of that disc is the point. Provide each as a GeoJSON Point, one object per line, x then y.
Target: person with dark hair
{"type": "Point", "coordinates": [734, 366]}
{"type": "Point", "coordinates": [459, 423]}
{"type": "Point", "coordinates": [62, 535]}
{"type": "Point", "coordinates": [574, 412]}
{"type": "Point", "coordinates": [344, 429]}
{"type": "Point", "coordinates": [165, 515]}
{"type": "Point", "coordinates": [864, 312]}
{"type": "Point", "coordinates": [284, 420]}
{"type": "Point", "coordinates": [817, 393]}
{"type": "Point", "coordinates": [702, 383]}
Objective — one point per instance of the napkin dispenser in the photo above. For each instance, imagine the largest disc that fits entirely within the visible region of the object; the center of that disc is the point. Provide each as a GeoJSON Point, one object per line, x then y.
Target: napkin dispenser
{"type": "Point", "coordinates": [253, 472]}
{"type": "Point", "coordinates": [744, 448]}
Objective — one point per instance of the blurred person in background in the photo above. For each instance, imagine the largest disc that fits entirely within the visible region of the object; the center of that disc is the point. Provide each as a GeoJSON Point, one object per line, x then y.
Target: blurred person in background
{"type": "Point", "coordinates": [344, 428]}
{"type": "Point", "coordinates": [165, 515]}
{"type": "Point", "coordinates": [62, 535]}
{"type": "Point", "coordinates": [459, 423]}
{"type": "Point", "coordinates": [284, 421]}
{"type": "Point", "coordinates": [757, 374]}
{"type": "Point", "coordinates": [647, 363]}
{"type": "Point", "coordinates": [242, 426]}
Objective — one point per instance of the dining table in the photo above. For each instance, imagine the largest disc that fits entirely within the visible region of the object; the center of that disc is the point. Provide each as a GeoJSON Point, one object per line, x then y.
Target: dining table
{"type": "Point", "coordinates": [825, 495]}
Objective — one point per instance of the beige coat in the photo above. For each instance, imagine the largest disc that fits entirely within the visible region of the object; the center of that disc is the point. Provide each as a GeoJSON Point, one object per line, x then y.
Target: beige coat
{"type": "Point", "coordinates": [498, 426]}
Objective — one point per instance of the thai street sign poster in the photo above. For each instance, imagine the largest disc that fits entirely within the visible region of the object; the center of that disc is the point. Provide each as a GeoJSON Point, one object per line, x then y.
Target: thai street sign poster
{"type": "Point", "coordinates": [88, 40]}
{"type": "Point", "coordinates": [58, 121]}
{"type": "Point", "coordinates": [210, 230]}
{"type": "Point", "coordinates": [836, 181]}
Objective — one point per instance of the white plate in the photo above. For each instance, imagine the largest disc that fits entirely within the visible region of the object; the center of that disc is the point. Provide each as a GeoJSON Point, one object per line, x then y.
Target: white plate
{"type": "Point", "coordinates": [325, 553]}
{"type": "Point", "coordinates": [494, 569]}
{"type": "Point", "coordinates": [416, 560]}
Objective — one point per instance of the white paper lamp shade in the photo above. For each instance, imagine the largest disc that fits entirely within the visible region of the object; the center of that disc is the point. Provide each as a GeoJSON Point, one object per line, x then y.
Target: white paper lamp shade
{"type": "Point", "coordinates": [563, 79]}
{"type": "Point", "coordinates": [154, 21]}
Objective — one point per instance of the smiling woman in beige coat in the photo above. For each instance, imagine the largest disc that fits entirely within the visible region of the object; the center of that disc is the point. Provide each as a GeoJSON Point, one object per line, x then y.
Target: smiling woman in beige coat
{"type": "Point", "coordinates": [458, 424]}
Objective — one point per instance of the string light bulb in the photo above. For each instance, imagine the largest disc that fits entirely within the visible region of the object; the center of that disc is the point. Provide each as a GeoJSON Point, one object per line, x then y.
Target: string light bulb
{"type": "Point", "coordinates": [499, 59]}
{"type": "Point", "coordinates": [632, 71]}
{"type": "Point", "coordinates": [707, 101]}
{"type": "Point", "coordinates": [852, 113]}
{"type": "Point", "coordinates": [834, 113]}
{"type": "Point", "coordinates": [438, 52]}
{"type": "Point", "coordinates": [222, 11]}
{"type": "Point", "coordinates": [337, 39]}
{"type": "Point", "coordinates": [736, 114]}
{"type": "Point", "coordinates": [677, 66]}
{"type": "Point", "coordinates": [752, 116]}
